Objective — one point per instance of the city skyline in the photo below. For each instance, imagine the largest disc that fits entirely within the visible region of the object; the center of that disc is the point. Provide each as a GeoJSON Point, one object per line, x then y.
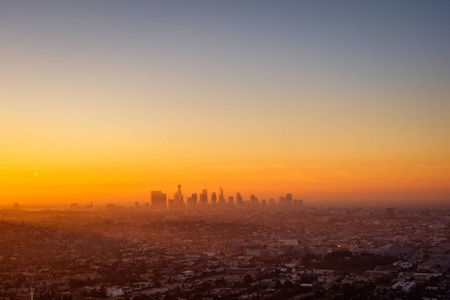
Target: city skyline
{"type": "Point", "coordinates": [160, 200]}
{"type": "Point", "coordinates": [340, 103]}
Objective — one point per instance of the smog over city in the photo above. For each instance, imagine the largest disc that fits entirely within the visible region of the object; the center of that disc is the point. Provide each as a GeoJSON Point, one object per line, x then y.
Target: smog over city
{"type": "Point", "coordinates": [224, 150]}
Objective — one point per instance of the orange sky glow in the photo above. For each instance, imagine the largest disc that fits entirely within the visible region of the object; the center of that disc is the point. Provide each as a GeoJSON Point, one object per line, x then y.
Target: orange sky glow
{"type": "Point", "coordinates": [108, 104]}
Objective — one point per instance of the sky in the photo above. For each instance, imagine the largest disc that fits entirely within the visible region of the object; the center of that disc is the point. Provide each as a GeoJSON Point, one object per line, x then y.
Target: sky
{"type": "Point", "coordinates": [331, 101]}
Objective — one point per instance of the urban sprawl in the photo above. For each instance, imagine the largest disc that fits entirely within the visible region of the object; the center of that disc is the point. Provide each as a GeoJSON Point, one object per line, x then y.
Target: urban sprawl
{"type": "Point", "coordinates": [221, 248]}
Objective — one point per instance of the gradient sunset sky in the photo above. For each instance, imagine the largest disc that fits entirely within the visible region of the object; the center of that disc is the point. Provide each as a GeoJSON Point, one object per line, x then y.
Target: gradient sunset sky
{"type": "Point", "coordinates": [331, 101]}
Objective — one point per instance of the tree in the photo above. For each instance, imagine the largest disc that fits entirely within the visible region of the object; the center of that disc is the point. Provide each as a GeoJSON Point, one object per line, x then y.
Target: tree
{"type": "Point", "coordinates": [278, 285]}
{"type": "Point", "coordinates": [248, 279]}
{"type": "Point", "coordinates": [288, 284]}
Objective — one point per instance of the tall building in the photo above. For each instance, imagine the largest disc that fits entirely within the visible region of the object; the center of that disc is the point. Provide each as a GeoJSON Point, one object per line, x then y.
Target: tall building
{"type": "Point", "coordinates": [231, 200]}
{"type": "Point", "coordinates": [179, 191]}
{"type": "Point", "coordinates": [178, 198]}
{"type": "Point", "coordinates": [192, 201]}
{"type": "Point", "coordinates": [298, 202]}
{"type": "Point", "coordinates": [253, 200]}
{"type": "Point", "coordinates": [204, 197]}
{"type": "Point", "coordinates": [213, 198]}
{"type": "Point", "coordinates": [221, 197]}
{"type": "Point", "coordinates": [239, 200]}
{"type": "Point", "coordinates": [159, 199]}
{"type": "Point", "coordinates": [286, 201]}
{"type": "Point", "coordinates": [289, 199]}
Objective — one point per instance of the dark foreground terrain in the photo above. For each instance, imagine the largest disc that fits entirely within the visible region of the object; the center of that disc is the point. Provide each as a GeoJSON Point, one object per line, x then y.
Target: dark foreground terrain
{"type": "Point", "coordinates": [225, 253]}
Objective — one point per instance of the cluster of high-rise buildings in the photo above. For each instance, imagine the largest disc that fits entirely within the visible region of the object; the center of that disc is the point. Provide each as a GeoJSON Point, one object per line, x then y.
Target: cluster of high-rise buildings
{"type": "Point", "coordinates": [159, 200]}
